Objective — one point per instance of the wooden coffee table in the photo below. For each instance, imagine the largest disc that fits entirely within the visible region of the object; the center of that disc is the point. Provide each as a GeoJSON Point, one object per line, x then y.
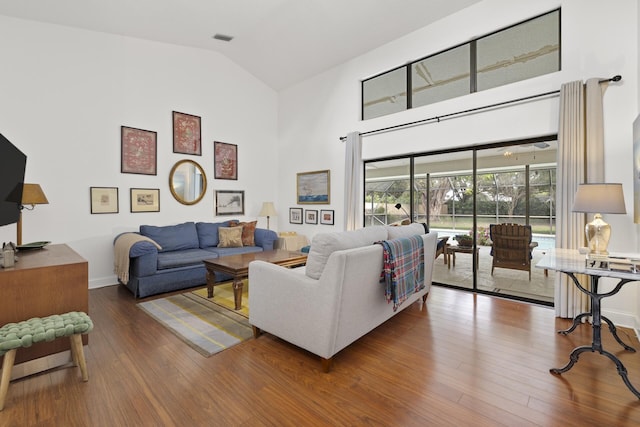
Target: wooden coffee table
{"type": "Point", "coordinates": [238, 267]}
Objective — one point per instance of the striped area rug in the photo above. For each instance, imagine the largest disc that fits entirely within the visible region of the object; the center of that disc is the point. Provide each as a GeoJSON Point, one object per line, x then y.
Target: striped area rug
{"type": "Point", "coordinates": [205, 326]}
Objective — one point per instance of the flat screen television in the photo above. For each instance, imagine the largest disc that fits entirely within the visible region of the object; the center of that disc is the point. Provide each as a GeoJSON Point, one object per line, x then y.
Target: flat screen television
{"type": "Point", "coordinates": [12, 166]}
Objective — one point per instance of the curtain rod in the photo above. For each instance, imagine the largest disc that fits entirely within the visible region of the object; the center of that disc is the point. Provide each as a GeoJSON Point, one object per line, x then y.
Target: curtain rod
{"type": "Point", "coordinates": [615, 78]}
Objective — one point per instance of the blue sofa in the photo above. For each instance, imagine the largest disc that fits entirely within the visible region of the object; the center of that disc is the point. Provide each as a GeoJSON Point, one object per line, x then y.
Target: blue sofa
{"type": "Point", "coordinates": [178, 265]}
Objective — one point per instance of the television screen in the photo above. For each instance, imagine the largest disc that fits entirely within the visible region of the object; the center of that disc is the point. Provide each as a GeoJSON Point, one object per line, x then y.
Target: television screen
{"type": "Point", "coordinates": [12, 165]}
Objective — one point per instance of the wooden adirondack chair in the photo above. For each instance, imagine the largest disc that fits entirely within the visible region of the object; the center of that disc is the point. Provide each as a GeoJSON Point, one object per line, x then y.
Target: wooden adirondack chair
{"type": "Point", "coordinates": [511, 247]}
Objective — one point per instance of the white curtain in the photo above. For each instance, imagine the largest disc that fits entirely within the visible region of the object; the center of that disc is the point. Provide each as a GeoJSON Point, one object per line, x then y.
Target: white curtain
{"type": "Point", "coordinates": [353, 205]}
{"type": "Point", "coordinates": [580, 160]}
{"type": "Point", "coordinates": [595, 130]}
{"type": "Point", "coordinates": [569, 301]}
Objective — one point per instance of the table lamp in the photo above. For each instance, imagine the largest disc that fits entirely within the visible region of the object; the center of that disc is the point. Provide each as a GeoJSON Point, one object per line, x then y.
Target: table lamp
{"type": "Point", "coordinates": [599, 199]}
{"type": "Point", "coordinates": [32, 195]}
{"type": "Point", "coordinates": [267, 210]}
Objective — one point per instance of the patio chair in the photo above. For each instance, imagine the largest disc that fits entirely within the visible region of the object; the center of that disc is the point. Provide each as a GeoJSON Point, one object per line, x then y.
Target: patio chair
{"type": "Point", "coordinates": [441, 247]}
{"type": "Point", "coordinates": [511, 247]}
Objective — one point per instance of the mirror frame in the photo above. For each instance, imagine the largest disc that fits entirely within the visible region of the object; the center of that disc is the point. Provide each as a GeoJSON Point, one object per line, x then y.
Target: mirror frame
{"type": "Point", "coordinates": [204, 182]}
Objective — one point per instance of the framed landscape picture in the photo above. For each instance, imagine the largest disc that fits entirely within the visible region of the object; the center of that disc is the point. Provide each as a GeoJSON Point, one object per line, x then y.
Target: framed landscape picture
{"type": "Point", "coordinates": [229, 202]}
{"type": "Point", "coordinates": [311, 216]}
{"type": "Point", "coordinates": [138, 151]}
{"type": "Point", "coordinates": [145, 200]}
{"type": "Point", "coordinates": [225, 160]}
{"type": "Point", "coordinates": [295, 215]}
{"type": "Point", "coordinates": [326, 217]}
{"type": "Point", "coordinates": [104, 200]}
{"type": "Point", "coordinates": [313, 187]}
{"type": "Point", "coordinates": [186, 134]}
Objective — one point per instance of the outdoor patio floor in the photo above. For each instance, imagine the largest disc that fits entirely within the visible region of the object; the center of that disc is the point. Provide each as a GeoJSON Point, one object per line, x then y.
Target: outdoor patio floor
{"type": "Point", "coordinates": [504, 281]}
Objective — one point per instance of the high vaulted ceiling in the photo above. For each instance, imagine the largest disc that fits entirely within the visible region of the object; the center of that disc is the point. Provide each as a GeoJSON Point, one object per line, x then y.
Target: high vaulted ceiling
{"type": "Point", "coordinates": [281, 42]}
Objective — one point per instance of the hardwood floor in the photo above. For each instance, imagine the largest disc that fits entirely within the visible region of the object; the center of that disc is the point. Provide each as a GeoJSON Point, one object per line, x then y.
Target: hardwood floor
{"type": "Point", "coordinates": [465, 360]}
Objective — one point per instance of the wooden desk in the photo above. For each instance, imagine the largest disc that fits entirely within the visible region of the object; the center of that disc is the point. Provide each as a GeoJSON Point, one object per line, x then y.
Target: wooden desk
{"type": "Point", "coordinates": [570, 262]}
{"type": "Point", "coordinates": [51, 280]}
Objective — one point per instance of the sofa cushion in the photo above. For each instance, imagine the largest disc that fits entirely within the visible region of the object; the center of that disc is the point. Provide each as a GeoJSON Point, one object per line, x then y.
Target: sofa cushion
{"type": "Point", "coordinates": [248, 231]}
{"type": "Point", "coordinates": [230, 237]}
{"type": "Point", "coordinates": [208, 233]}
{"type": "Point", "coordinates": [324, 244]}
{"type": "Point", "coordinates": [405, 230]}
{"type": "Point", "coordinates": [183, 258]}
{"type": "Point", "coordinates": [172, 237]}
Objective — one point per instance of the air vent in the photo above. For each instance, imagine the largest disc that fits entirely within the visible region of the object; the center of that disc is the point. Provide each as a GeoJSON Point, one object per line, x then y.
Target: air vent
{"type": "Point", "coordinates": [223, 37]}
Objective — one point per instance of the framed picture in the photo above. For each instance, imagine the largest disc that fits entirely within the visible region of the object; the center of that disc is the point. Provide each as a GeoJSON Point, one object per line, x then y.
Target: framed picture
{"type": "Point", "coordinates": [295, 215]}
{"type": "Point", "coordinates": [229, 202]}
{"type": "Point", "coordinates": [186, 134]}
{"type": "Point", "coordinates": [145, 200]}
{"type": "Point", "coordinates": [313, 187]}
{"type": "Point", "coordinates": [104, 200]}
{"type": "Point", "coordinates": [326, 217]}
{"type": "Point", "coordinates": [225, 160]}
{"type": "Point", "coordinates": [138, 151]}
{"type": "Point", "coordinates": [310, 216]}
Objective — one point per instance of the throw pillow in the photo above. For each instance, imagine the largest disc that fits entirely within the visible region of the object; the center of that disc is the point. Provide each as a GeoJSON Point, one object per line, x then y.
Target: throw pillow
{"type": "Point", "coordinates": [248, 232]}
{"type": "Point", "coordinates": [230, 237]}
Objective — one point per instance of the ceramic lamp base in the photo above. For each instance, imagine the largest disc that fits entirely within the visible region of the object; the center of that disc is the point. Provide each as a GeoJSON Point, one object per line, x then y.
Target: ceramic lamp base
{"type": "Point", "coordinates": [598, 233]}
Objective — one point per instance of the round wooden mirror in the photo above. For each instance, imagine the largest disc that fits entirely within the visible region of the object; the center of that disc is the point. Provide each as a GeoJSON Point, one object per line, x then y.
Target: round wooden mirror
{"type": "Point", "coordinates": [187, 182]}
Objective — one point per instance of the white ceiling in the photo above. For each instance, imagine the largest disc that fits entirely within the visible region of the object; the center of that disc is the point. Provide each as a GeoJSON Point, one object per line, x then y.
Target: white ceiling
{"type": "Point", "coordinates": [281, 42]}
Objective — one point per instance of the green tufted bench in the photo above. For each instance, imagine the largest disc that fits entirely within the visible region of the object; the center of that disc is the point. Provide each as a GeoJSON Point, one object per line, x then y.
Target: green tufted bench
{"type": "Point", "coordinates": [38, 329]}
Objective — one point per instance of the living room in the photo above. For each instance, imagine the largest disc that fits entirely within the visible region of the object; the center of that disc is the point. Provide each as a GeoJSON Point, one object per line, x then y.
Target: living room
{"type": "Point", "coordinates": [66, 92]}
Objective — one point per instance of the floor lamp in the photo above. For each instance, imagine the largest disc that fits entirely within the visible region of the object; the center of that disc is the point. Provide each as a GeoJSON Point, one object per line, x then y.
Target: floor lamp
{"type": "Point", "coordinates": [32, 195]}
{"type": "Point", "coordinates": [267, 210]}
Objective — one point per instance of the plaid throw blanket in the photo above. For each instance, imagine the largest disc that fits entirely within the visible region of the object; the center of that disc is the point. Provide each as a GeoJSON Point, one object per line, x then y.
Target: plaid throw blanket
{"type": "Point", "coordinates": [403, 271]}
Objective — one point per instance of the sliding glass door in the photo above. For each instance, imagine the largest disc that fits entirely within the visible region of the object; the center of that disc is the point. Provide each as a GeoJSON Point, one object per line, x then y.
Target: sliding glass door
{"type": "Point", "coordinates": [459, 194]}
{"type": "Point", "coordinates": [443, 198]}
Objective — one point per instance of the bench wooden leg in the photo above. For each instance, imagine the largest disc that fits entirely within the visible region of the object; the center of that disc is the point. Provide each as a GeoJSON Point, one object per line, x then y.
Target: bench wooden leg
{"type": "Point", "coordinates": [7, 366]}
{"type": "Point", "coordinates": [77, 352]}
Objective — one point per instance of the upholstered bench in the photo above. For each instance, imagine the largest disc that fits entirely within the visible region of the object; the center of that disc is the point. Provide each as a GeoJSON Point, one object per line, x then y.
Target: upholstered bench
{"type": "Point", "coordinates": [26, 333]}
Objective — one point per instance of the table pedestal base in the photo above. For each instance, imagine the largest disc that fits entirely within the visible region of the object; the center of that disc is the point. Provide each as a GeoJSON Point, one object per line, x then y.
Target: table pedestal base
{"type": "Point", "coordinates": [596, 344]}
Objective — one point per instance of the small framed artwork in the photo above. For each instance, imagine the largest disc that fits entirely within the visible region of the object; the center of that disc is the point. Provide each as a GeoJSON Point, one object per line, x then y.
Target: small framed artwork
{"type": "Point", "coordinates": [225, 160]}
{"type": "Point", "coordinates": [326, 217]}
{"type": "Point", "coordinates": [104, 200]}
{"type": "Point", "coordinates": [310, 216]}
{"type": "Point", "coordinates": [186, 134]}
{"type": "Point", "coordinates": [145, 200]}
{"type": "Point", "coordinates": [229, 202]}
{"type": "Point", "coordinates": [313, 187]}
{"type": "Point", "coordinates": [295, 215]}
{"type": "Point", "coordinates": [138, 151]}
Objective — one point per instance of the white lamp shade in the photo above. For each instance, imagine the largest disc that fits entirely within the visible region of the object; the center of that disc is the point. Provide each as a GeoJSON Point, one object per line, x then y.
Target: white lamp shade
{"type": "Point", "coordinates": [267, 209]}
{"type": "Point", "coordinates": [599, 198]}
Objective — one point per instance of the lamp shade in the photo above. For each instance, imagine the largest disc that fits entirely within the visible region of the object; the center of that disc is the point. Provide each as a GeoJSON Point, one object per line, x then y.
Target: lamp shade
{"type": "Point", "coordinates": [599, 198]}
{"type": "Point", "coordinates": [267, 209]}
{"type": "Point", "coordinates": [32, 194]}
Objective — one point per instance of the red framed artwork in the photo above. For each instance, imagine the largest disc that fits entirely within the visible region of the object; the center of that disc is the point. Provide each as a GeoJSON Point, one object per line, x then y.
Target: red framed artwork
{"type": "Point", "coordinates": [186, 134]}
{"type": "Point", "coordinates": [225, 160]}
{"type": "Point", "coordinates": [138, 151]}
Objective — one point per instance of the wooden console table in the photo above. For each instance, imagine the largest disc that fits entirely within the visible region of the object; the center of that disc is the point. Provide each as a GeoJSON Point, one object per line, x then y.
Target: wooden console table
{"type": "Point", "coordinates": [51, 280]}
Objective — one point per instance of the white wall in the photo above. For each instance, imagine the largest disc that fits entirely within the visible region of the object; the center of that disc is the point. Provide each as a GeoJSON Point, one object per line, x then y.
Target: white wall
{"type": "Point", "coordinates": [64, 93]}
{"type": "Point", "coordinates": [315, 113]}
